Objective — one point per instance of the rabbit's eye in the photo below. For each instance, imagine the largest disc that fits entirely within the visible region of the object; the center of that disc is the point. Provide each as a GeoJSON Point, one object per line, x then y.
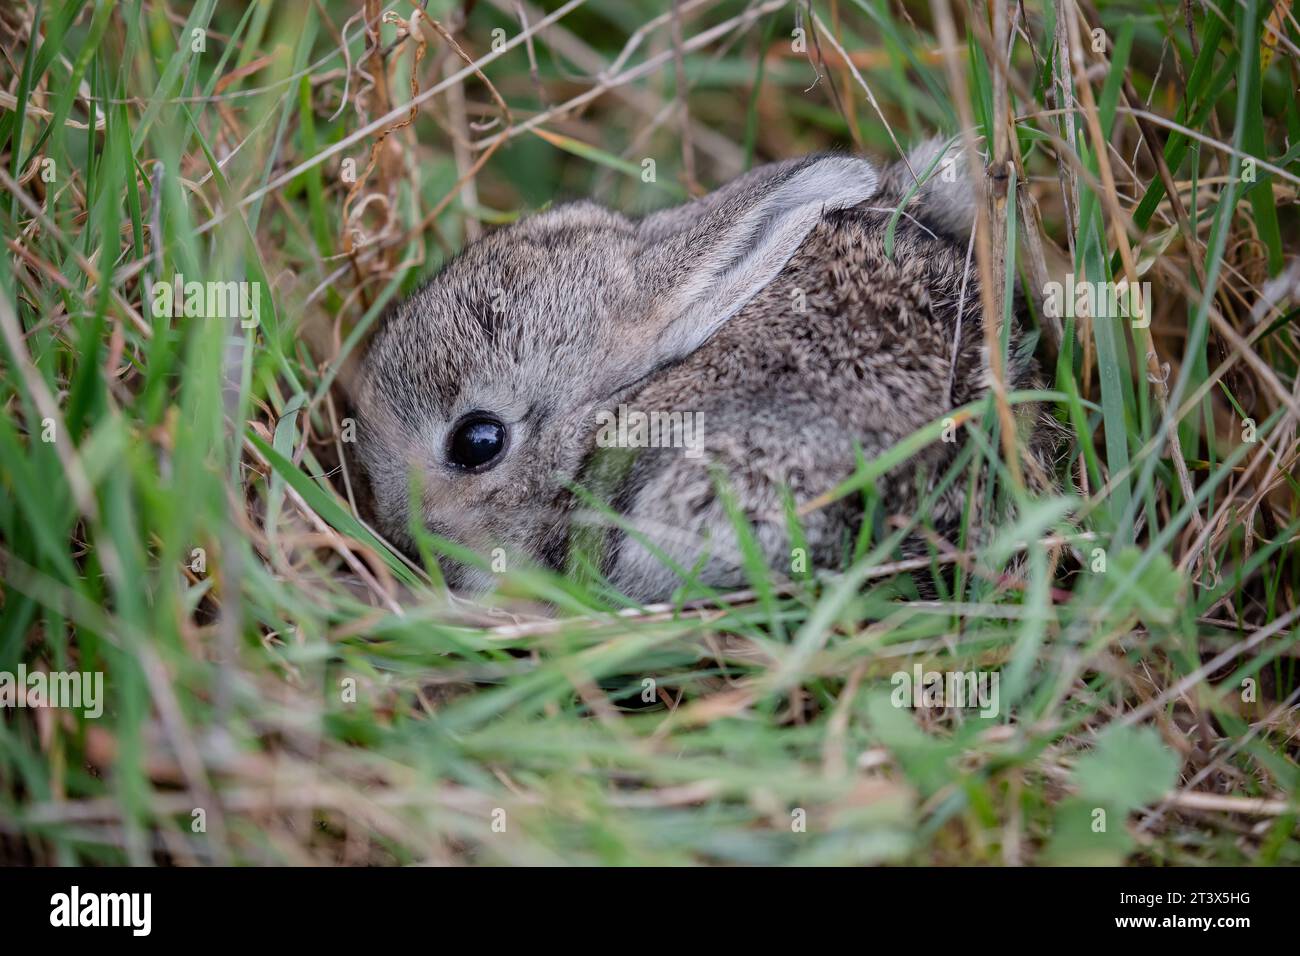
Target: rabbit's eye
{"type": "Point", "coordinates": [477, 442]}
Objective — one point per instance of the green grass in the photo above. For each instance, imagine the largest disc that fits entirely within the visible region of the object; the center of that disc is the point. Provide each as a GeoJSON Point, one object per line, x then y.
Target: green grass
{"type": "Point", "coordinates": [178, 511]}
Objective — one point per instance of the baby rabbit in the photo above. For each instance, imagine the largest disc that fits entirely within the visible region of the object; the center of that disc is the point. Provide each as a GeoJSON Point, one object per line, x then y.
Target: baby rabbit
{"type": "Point", "coordinates": [767, 312]}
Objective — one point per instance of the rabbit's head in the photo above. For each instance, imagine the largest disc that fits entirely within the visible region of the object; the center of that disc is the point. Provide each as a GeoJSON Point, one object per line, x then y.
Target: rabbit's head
{"type": "Point", "coordinates": [479, 395]}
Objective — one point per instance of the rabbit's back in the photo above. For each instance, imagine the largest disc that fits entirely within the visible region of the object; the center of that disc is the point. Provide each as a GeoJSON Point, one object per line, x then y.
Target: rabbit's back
{"type": "Point", "coordinates": [877, 341]}
{"type": "Point", "coordinates": [847, 352]}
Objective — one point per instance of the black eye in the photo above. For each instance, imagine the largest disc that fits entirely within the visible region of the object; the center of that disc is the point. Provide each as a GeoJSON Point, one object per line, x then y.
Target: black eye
{"type": "Point", "coordinates": [476, 442]}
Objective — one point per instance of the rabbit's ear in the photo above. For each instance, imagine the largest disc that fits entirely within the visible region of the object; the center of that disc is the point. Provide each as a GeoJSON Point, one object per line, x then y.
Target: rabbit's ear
{"type": "Point", "coordinates": [944, 200]}
{"type": "Point", "coordinates": [702, 262]}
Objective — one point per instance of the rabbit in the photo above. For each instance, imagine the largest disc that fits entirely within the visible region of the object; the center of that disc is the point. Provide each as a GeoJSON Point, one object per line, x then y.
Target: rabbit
{"type": "Point", "coordinates": [767, 313]}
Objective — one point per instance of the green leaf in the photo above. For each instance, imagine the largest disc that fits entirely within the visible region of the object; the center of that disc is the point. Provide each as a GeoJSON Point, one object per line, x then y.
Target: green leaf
{"type": "Point", "coordinates": [1085, 833]}
{"type": "Point", "coordinates": [1129, 768]}
{"type": "Point", "coordinates": [1145, 584]}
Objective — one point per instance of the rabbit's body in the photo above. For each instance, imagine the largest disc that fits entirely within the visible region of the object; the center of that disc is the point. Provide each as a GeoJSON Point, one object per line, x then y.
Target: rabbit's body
{"type": "Point", "coordinates": [768, 311]}
{"type": "Point", "coordinates": [787, 399]}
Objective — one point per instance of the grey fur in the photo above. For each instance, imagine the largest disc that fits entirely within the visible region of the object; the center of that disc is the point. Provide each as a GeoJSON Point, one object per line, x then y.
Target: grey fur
{"type": "Point", "coordinates": [690, 309]}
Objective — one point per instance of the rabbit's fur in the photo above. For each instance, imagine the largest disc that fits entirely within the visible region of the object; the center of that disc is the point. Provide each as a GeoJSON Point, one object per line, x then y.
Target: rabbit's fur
{"type": "Point", "coordinates": [579, 309]}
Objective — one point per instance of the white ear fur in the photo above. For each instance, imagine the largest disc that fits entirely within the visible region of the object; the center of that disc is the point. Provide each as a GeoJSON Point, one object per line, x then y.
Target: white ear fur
{"type": "Point", "coordinates": [708, 273]}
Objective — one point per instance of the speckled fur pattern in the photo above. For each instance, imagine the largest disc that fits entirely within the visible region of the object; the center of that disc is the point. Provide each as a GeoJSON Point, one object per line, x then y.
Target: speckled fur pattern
{"type": "Point", "coordinates": [768, 306]}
